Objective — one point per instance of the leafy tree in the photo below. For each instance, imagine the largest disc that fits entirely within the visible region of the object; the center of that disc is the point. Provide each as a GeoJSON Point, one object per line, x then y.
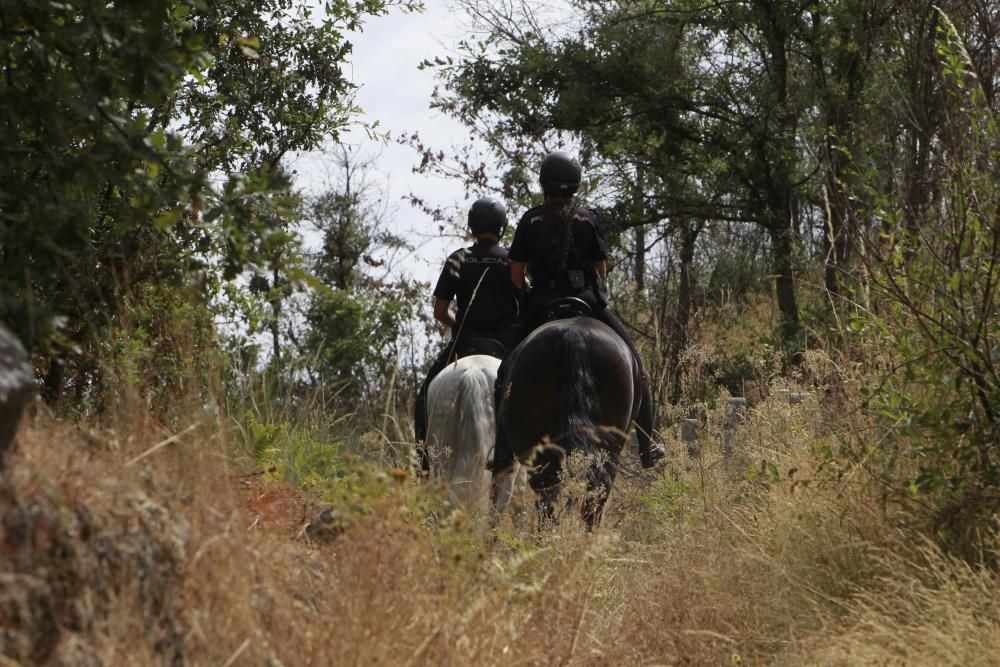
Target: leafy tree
{"type": "Point", "coordinates": [354, 317]}
{"type": "Point", "coordinates": [704, 99]}
{"type": "Point", "coordinates": [845, 41]}
{"type": "Point", "coordinates": [141, 143]}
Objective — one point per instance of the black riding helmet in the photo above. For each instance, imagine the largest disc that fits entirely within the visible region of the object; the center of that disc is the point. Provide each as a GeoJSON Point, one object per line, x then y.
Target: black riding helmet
{"type": "Point", "coordinates": [560, 173]}
{"type": "Point", "coordinates": [487, 215]}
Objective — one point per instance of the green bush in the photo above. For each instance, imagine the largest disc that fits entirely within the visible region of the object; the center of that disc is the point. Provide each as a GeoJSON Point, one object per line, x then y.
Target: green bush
{"type": "Point", "coordinates": [936, 284]}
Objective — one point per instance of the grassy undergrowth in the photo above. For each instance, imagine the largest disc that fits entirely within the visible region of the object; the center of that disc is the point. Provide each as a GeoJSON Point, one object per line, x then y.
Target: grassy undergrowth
{"type": "Point", "coordinates": [780, 553]}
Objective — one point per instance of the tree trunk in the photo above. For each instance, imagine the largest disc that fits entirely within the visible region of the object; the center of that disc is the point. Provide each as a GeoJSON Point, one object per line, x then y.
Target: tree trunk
{"type": "Point", "coordinates": [782, 250]}
{"type": "Point", "coordinates": [776, 158]}
{"type": "Point", "coordinates": [917, 171]}
{"type": "Point", "coordinates": [688, 233]}
{"type": "Point", "coordinates": [848, 51]}
{"type": "Point", "coordinates": [640, 258]}
{"type": "Point", "coordinates": [276, 314]}
{"type": "Point", "coordinates": [52, 385]}
{"type": "Point", "coordinates": [837, 232]}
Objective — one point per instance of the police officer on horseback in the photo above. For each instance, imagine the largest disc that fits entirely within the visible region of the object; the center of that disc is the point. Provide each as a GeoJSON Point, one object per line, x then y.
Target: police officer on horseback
{"type": "Point", "coordinates": [558, 256]}
{"type": "Point", "coordinates": [485, 320]}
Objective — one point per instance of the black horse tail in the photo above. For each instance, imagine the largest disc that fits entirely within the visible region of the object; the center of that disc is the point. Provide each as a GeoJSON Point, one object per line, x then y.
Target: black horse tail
{"type": "Point", "coordinates": [579, 410]}
{"type": "Point", "coordinates": [579, 418]}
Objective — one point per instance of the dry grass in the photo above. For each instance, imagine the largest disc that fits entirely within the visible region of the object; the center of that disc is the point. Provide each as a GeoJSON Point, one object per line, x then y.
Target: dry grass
{"type": "Point", "coordinates": [930, 610]}
{"type": "Point", "coordinates": [695, 564]}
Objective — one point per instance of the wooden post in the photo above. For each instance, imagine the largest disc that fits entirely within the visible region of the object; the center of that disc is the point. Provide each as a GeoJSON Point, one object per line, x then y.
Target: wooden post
{"type": "Point", "coordinates": [796, 397]}
{"type": "Point", "coordinates": [736, 408]}
{"type": "Point", "coordinates": [689, 436]}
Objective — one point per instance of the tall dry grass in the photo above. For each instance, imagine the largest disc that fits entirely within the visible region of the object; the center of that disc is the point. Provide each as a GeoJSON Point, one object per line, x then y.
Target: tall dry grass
{"type": "Point", "coordinates": [775, 554]}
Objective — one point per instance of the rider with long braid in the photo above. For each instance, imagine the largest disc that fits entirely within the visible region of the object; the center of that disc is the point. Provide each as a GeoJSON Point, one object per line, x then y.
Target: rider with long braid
{"type": "Point", "coordinates": [559, 249]}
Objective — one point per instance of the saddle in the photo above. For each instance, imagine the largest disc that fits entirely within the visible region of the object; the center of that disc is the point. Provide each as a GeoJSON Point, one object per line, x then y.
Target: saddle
{"type": "Point", "coordinates": [566, 307]}
{"type": "Point", "coordinates": [488, 346]}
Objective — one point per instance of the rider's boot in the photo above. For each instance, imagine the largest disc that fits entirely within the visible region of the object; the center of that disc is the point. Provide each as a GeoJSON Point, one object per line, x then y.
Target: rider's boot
{"type": "Point", "coordinates": [649, 452]}
{"type": "Point", "coordinates": [420, 415]}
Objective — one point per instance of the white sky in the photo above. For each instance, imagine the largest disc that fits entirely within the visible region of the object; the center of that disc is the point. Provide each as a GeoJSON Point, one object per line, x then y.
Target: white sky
{"type": "Point", "coordinates": [396, 94]}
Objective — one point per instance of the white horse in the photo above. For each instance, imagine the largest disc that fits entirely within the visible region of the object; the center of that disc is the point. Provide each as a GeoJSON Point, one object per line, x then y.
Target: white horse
{"type": "Point", "coordinates": [461, 427]}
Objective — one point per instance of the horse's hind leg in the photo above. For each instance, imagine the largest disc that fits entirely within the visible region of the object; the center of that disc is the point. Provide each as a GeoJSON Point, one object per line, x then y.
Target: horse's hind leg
{"type": "Point", "coordinates": [545, 480]}
{"type": "Point", "coordinates": [598, 489]}
{"type": "Point", "coordinates": [546, 504]}
{"type": "Point", "coordinates": [501, 490]}
{"type": "Point", "coordinates": [600, 478]}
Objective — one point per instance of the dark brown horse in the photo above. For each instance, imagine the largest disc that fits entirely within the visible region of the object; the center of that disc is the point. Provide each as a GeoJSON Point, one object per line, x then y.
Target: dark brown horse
{"type": "Point", "coordinates": [571, 386]}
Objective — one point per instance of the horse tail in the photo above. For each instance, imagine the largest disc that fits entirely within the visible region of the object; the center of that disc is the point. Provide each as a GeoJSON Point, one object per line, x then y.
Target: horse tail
{"type": "Point", "coordinates": [464, 428]}
{"type": "Point", "coordinates": [476, 427]}
{"type": "Point", "coordinates": [579, 416]}
{"type": "Point", "coordinates": [579, 409]}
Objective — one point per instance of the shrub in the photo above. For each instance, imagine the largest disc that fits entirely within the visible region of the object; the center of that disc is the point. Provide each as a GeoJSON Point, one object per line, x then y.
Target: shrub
{"type": "Point", "coordinates": [936, 279]}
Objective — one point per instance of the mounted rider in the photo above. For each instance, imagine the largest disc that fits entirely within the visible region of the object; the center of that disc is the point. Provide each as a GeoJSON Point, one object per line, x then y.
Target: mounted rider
{"type": "Point", "coordinates": [485, 320]}
{"type": "Point", "coordinates": [558, 252]}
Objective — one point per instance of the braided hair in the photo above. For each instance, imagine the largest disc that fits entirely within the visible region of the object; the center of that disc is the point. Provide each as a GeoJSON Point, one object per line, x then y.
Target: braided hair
{"type": "Point", "coordinates": [550, 256]}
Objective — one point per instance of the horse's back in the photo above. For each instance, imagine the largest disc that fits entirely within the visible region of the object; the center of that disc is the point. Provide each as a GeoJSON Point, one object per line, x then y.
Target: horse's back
{"type": "Point", "coordinates": [546, 347]}
{"type": "Point", "coordinates": [461, 426]}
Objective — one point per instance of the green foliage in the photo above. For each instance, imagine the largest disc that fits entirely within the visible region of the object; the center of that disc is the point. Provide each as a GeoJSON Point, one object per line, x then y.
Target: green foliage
{"type": "Point", "coordinates": [939, 279]}
{"type": "Point", "coordinates": [736, 272]}
{"type": "Point", "coordinates": [296, 457]}
{"type": "Point", "coordinates": [143, 144]}
{"type": "Point", "coordinates": [694, 108]}
{"type": "Point", "coordinates": [354, 320]}
{"type": "Point", "coordinates": [165, 345]}
{"type": "Point", "coordinates": [664, 497]}
{"type": "Point", "coordinates": [344, 333]}
{"type": "Point", "coordinates": [317, 460]}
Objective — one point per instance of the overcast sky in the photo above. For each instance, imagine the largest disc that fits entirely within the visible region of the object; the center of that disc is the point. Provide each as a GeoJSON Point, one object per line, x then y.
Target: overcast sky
{"type": "Point", "coordinates": [394, 92]}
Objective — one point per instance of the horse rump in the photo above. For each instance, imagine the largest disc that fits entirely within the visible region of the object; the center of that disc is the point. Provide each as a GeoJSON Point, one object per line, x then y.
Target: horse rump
{"type": "Point", "coordinates": [460, 427]}
{"type": "Point", "coordinates": [570, 390]}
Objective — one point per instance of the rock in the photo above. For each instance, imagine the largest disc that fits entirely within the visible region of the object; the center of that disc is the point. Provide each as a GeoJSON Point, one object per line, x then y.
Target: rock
{"type": "Point", "coordinates": [62, 567]}
{"type": "Point", "coordinates": [15, 386]}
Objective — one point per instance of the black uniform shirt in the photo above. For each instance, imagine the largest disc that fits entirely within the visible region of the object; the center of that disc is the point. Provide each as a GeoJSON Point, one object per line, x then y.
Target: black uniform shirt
{"type": "Point", "coordinates": [586, 251]}
{"type": "Point", "coordinates": [495, 302]}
